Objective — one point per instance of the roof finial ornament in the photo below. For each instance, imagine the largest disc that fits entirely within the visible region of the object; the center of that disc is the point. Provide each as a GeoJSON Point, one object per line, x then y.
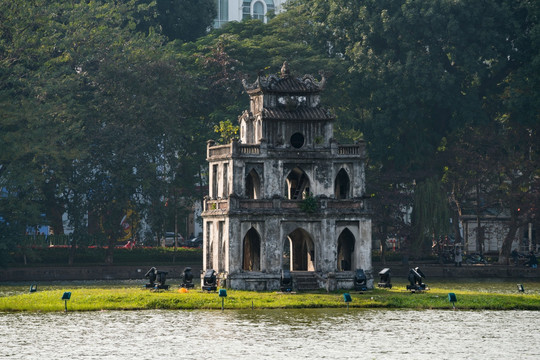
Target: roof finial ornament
{"type": "Point", "coordinates": [285, 72]}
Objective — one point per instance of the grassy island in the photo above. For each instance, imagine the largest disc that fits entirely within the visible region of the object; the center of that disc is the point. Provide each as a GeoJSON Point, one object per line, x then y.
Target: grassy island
{"type": "Point", "coordinates": [470, 296]}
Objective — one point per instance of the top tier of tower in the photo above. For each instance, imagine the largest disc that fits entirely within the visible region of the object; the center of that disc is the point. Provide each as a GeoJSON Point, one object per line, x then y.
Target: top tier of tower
{"type": "Point", "coordinates": [281, 106]}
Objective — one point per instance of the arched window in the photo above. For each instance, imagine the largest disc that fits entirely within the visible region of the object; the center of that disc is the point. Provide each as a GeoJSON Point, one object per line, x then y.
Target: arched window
{"type": "Point", "coordinates": [258, 130]}
{"type": "Point", "coordinates": [243, 132]}
{"type": "Point", "coordinates": [253, 185]}
{"type": "Point", "coordinates": [251, 260]}
{"type": "Point", "coordinates": [342, 185]}
{"type": "Point", "coordinates": [258, 10]}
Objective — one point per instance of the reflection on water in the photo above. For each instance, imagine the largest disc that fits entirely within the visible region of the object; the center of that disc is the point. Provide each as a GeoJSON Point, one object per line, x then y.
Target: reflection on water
{"type": "Point", "coordinates": [272, 334]}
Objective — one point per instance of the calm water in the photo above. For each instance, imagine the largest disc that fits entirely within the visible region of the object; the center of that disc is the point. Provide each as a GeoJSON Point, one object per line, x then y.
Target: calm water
{"type": "Point", "coordinates": [272, 334]}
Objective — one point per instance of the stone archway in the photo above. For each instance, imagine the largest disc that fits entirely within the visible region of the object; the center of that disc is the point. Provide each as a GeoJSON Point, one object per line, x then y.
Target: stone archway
{"type": "Point", "coordinates": [251, 259]}
{"type": "Point", "coordinates": [345, 251]}
{"type": "Point", "coordinates": [342, 185]}
{"type": "Point", "coordinates": [299, 251]}
{"type": "Point", "coordinates": [253, 185]}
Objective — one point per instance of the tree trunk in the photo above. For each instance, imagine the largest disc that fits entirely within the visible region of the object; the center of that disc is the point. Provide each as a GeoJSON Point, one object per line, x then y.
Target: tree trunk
{"type": "Point", "coordinates": [384, 235]}
{"type": "Point", "coordinates": [480, 239]}
{"type": "Point", "coordinates": [72, 249]}
{"type": "Point", "coordinates": [479, 229]}
{"type": "Point", "coordinates": [109, 252]}
{"type": "Point", "coordinates": [456, 221]}
{"type": "Point", "coordinates": [506, 247]}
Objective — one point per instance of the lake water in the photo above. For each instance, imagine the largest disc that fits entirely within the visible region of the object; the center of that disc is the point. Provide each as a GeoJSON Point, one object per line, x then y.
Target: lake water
{"type": "Point", "coordinates": [271, 334]}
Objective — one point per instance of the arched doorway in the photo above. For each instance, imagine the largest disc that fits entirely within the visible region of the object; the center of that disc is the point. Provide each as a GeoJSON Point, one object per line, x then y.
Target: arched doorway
{"type": "Point", "coordinates": [251, 260]}
{"type": "Point", "coordinates": [297, 184]}
{"type": "Point", "coordinates": [342, 185]}
{"type": "Point", "coordinates": [345, 251]}
{"type": "Point", "coordinates": [253, 185]}
{"type": "Point", "coordinates": [299, 251]}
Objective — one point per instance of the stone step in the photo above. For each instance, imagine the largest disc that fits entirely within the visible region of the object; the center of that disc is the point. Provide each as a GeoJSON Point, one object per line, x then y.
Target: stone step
{"type": "Point", "coordinates": [306, 281]}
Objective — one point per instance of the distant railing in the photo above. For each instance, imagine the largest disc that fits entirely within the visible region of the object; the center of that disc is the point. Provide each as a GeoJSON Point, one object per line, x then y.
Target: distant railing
{"type": "Point", "coordinates": [249, 149]}
{"type": "Point", "coordinates": [349, 149]}
{"type": "Point", "coordinates": [233, 149]}
{"type": "Point", "coordinates": [224, 205]}
{"type": "Point", "coordinates": [219, 150]}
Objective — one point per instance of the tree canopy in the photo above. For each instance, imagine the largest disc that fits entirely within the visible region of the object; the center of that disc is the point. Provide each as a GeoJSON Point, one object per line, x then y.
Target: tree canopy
{"type": "Point", "coordinates": [106, 106]}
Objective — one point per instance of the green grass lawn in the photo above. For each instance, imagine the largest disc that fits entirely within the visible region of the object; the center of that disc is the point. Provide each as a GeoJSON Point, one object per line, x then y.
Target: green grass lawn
{"type": "Point", "coordinates": [471, 295]}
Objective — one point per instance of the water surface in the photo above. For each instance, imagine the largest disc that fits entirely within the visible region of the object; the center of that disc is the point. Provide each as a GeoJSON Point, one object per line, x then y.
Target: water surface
{"type": "Point", "coordinates": [272, 334]}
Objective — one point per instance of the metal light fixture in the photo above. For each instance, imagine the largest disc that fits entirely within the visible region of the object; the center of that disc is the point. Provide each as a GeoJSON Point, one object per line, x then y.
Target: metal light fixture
{"type": "Point", "coordinates": [188, 278]}
{"type": "Point", "coordinates": [385, 278]}
{"type": "Point", "coordinates": [453, 299]}
{"type": "Point", "coordinates": [156, 279]}
{"type": "Point", "coordinates": [151, 275]}
{"type": "Point", "coordinates": [161, 278]}
{"type": "Point", "coordinates": [415, 279]}
{"type": "Point", "coordinates": [222, 295]}
{"type": "Point", "coordinates": [66, 296]}
{"type": "Point", "coordinates": [209, 280]}
{"type": "Point", "coordinates": [360, 280]}
{"type": "Point", "coordinates": [347, 298]}
{"type": "Point", "coordinates": [286, 282]}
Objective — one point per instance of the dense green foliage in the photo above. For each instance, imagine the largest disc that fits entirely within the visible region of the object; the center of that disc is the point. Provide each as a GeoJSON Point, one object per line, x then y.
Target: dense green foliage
{"type": "Point", "coordinates": [184, 20]}
{"type": "Point", "coordinates": [429, 74]}
{"type": "Point", "coordinates": [105, 107]}
{"type": "Point", "coordinates": [96, 117]}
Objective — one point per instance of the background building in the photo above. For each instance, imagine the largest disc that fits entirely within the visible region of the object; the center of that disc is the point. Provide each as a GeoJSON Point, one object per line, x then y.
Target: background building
{"type": "Point", "coordinates": [238, 10]}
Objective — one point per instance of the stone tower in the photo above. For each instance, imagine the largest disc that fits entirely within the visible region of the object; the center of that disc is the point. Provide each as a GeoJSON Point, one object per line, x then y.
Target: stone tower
{"type": "Point", "coordinates": [286, 195]}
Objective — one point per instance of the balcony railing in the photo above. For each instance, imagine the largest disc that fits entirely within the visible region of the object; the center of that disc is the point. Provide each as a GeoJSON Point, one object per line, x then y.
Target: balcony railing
{"type": "Point", "coordinates": [349, 149]}
{"type": "Point", "coordinates": [324, 204]}
{"type": "Point", "coordinates": [232, 149]}
{"type": "Point", "coordinates": [249, 149]}
{"type": "Point", "coordinates": [219, 150]}
{"type": "Point", "coordinates": [237, 149]}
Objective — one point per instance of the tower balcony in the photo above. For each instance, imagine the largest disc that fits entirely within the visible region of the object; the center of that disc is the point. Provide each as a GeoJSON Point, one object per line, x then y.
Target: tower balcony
{"type": "Point", "coordinates": [234, 204]}
{"type": "Point", "coordinates": [236, 149]}
{"type": "Point", "coordinates": [233, 149]}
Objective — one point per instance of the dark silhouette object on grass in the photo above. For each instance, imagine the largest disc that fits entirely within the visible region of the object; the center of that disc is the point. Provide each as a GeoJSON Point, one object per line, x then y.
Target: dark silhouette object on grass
{"type": "Point", "coordinates": [415, 279]}
{"type": "Point", "coordinates": [188, 278]}
{"type": "Point", "coordinates": [156, 279]}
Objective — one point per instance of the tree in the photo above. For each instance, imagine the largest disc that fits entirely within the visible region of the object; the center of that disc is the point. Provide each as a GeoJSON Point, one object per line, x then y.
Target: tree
{"type": "Point", "coordinates": [392, 198]}
{"type": "Point", "coordinates": [183, 20]}
{"type": "Point", "coordinates": [471, 174]}
{"type": "Point", "coordinates": [96, 115]}
{"type": "Point", "coordinates": [431, 215]}
{"type": "Point", "coordinates": [427, 69]}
